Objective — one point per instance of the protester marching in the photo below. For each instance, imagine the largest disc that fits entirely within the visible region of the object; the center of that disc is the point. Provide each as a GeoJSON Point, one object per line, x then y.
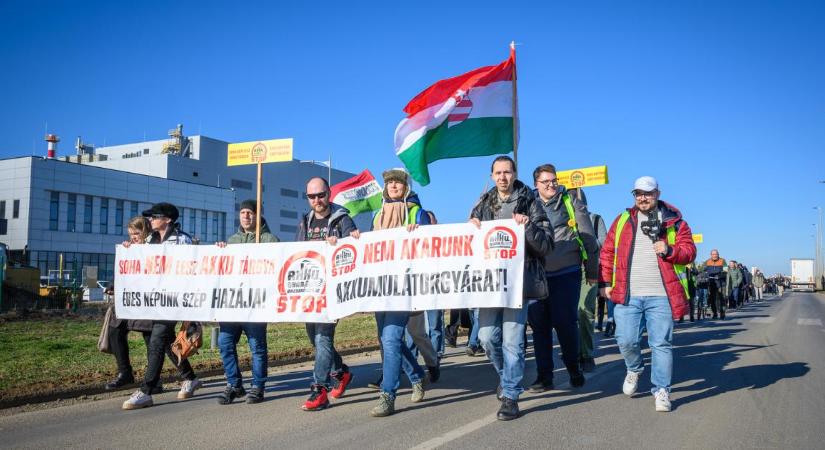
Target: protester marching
{"type": "Point", "coordinates": [536, 256]}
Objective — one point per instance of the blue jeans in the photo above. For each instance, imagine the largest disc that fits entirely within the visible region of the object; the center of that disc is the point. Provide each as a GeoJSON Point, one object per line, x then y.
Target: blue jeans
{"type": "Point", "coordinates": [327, 359]}
{"type": "Point", "coordinates": [473, 340]}
{"type": "Point", "coordinates": [501, 332]}
{"type": "Point", "coordinates": [396, 354]}
{"type": "Point", "coordinates": [701, 298]}
{"type": "Point", "coordinates": [559, 311]}
{"type": "Point", "coordinates": [659, 324]}
{"type": "Point", "coordinates": [435, 326]}
{"type": "Point", "coordinates": [230, 333]}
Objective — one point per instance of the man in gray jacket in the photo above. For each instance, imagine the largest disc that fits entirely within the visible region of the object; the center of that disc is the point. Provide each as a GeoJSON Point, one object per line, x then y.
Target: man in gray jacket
{"type": "Point", "coordinates": [575, 244]}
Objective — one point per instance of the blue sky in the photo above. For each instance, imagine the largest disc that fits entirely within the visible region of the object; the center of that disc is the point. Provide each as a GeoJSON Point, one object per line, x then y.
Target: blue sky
{"type": "Point", "coordinates": [722, 101]}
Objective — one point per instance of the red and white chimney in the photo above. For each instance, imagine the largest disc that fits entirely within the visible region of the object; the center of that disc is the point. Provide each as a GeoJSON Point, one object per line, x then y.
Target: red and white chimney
{"type": "Point", "coordinates": [52, 139]}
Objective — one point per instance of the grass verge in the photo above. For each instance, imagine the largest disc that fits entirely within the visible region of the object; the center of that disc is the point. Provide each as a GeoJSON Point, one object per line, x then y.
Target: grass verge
{"type": "Point", "coordinates": [54, 354]}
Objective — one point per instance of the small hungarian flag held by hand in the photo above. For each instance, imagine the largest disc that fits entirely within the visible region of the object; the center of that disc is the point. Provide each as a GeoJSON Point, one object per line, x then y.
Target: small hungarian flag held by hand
{"type": "Point", "coordinates": [469, 115]}
{"type": "Point", "coordinates": [358, 194]}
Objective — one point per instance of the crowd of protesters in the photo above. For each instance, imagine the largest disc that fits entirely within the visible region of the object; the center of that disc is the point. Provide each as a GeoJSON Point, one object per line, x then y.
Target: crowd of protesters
{"type": "Point", "coordinates": [638, 269]}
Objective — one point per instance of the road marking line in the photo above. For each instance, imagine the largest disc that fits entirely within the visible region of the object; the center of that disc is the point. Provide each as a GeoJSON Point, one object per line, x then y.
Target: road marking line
{"type": "Point", "coordinates": [815, 322]}
{"type": "Point", "coordinates": [763, 319]}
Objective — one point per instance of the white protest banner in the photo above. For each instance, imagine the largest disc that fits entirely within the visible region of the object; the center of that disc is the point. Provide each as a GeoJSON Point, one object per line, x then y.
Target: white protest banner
{"type": "Point", "coordinates": [432, 267]}
{"type": "Point", "coordinates": [283, 282]}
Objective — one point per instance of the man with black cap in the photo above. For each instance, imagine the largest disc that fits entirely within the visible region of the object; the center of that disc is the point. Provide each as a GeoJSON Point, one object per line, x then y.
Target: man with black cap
{"type": "Point", "coordinates": [255, 331]}
{"type": "Point", "coordinates": [325, 221]}
{"type": "Point", "coordinates": [165, 230]}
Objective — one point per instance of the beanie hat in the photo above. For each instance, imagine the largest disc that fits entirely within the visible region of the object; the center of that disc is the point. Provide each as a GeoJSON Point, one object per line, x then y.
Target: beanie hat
{"type": "Point", "coordinates": [251, 205]}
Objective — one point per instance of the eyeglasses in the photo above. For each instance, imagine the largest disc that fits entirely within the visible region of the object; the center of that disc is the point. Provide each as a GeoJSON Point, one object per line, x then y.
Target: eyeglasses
{"type": "Point", "coordinates": [554, 182]}
{"type": "Point", "coordinates": [318, 195]}
{"type": "Point", "coordinates": [640, 194]}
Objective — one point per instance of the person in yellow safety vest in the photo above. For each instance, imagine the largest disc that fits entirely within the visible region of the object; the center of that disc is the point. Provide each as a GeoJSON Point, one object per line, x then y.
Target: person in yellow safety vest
{"type": "Point", "coordinates": [400, 208]}
{"type": "Point", "coordinates": [575, 245]}
{"type": "Point", "coordinates": [642, 270]}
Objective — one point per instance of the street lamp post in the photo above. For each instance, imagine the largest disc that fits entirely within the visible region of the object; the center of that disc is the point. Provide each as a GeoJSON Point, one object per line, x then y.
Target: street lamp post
{"type": "Point", "coordinates": [819, 268]}
{"type": "Point", "coordinates": [327, 163]}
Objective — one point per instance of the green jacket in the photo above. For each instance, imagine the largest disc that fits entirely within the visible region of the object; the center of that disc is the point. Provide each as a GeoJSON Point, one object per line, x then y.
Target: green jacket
{"type": "Point", "coordinates": [733, 280]}
{"type": "Point", "coordinates": [244, 237]}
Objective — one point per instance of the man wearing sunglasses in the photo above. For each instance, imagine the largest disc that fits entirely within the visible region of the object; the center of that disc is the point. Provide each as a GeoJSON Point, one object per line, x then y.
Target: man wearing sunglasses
{"type": "Point", "coordinates": [643, 271]}
{"type": "Point", "coordinates": [325, 221]}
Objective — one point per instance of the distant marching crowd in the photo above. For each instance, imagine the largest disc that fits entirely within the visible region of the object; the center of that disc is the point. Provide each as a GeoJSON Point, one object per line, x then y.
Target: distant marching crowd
{"type": "Point", "coordinates": [641, 266]}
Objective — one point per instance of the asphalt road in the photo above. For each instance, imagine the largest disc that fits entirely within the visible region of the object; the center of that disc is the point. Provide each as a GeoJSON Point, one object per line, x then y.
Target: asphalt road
{"type": "Point", "coordinates": [755, 380]}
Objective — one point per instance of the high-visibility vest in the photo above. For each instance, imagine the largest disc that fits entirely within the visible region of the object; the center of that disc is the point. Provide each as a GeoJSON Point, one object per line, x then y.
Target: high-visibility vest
{"type": "Point", "coordinates": [412, 214]}
{"type": "Point", "coordinates": [571, 222]}
{"type": "Point", "coordinates": [680, 269]}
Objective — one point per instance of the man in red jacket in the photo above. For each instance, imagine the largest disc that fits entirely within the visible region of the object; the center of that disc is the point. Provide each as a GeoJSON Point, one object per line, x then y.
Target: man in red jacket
{"type": "Point", "coordinates": [642, 271]}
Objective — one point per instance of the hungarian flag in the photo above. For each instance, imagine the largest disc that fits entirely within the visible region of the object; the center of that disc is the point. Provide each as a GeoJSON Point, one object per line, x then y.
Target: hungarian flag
{"type": "Point", "coordinates": [358, 194]}
{"type": "Point", "coordinates": [469, 115]}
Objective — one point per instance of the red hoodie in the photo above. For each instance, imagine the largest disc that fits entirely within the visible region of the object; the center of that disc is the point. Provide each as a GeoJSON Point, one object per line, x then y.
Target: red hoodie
{"type": "Point", "coordinates": [682, 252]}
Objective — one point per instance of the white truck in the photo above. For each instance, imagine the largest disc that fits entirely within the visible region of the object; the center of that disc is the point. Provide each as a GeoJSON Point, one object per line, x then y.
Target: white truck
{"type": "Point", "coordinates": [802, 275]}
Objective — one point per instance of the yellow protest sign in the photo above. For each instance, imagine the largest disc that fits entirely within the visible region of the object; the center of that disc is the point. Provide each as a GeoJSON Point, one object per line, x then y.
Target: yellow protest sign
{"type": "Point", "coordinates": [698, 238]}
{"type": "Point", "coordinates": [274, 150]}
{"type": "Point", "coordinates": [587, 176]}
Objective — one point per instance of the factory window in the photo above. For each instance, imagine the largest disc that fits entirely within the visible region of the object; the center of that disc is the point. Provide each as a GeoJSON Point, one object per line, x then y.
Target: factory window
{"type": "Point", "coordinates": [289, 193]}
{"type": "Point", "coordinates": [145, 151]}
{"type": "Point", "coordinates": [289, 214]}
{"type": "Point", "coordinates": [194, 174]}
{"type": "Point", "coordinates": [15, 209]}
{"type": "Point", "coordinates": [87, 214]}
{"type": "Point", "coordinates": [289, 228]}
{"type": "Point", "coordinates": [71, 213]}
{"type": "Point", "coordinates": [104, 216]}
{"type": "Point", "coordinates": [54, 210]}
{"type": "Point", "coordinates": [2, 209]}
{"type": "Point", "coordinates": [215, 227]}
{"type": "Point", "coordinates": [241, 184]}
{"type": "Point", "coordinates": [203, 225]}
{"type": "Point", "coordinates": [119, 217]}
{"type": "Point", "coordinates": [237, 207]}
{"type": "Point", "coordinates": [134, 210]}
{"type": "Point", "coordinates": [223, 226]}
{"type": "Point", "coordinates": [192, 221]}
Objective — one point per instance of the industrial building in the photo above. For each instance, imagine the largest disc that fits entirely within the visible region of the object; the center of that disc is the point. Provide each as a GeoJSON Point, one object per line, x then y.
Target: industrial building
{"type": "Point", "coordinates": [77, 206]}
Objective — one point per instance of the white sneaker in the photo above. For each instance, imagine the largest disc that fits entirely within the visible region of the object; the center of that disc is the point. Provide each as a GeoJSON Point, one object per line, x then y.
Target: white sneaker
{"type": "Point", "coordinates": [138, 400]}
{"type": "Point", "coordinates": [631, 382]}
{"type": "Point", "coordinates": [187, 388]}
{"type": "Point", "coordinates": [662, 400]}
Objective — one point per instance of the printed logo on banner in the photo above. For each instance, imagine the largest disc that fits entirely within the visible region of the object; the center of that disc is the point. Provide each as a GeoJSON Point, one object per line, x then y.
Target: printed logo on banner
{"type": "Point", "coordinates": [343, 260]}
{"type": "Point", "coordinates": [301, 283]}
{"type": "Point", "coordinates": [500, 243]}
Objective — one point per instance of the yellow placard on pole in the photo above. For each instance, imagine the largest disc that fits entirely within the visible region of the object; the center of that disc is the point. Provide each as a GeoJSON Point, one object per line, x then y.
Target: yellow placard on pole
{"type": "Point", "coordinates": [587, 176]}
{"type": "Point", "coordinates": [698, 238]}
{"type": "Point", "coordinates": [274, 150]}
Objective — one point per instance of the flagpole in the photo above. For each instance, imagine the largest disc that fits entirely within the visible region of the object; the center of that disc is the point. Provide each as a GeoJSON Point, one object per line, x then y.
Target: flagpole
{"type": "Point", "coordinates": [515, 105]}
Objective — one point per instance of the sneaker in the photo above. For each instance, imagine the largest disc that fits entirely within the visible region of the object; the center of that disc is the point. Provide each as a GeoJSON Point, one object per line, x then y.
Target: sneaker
{"type": "Point", "coordinates": [385, 406]}
{"type": "Point", "coordinates": [631, 382]}
{"type": "Point", "coordinates": [471, 350]}
{"type": "Point", "coordinates": [317, 399]}
{"type": "Point", "coordinates": [539, 386]}
{"type": "Point", "coordinates": [121, 380]}
{"type": "Point", "coordinates": [230, 393]}
{"type": "Point", "coordinates": [417, 392]}
{"type": "Point", "coordinates": [187, 388]}
{"type": "Point", "coordinates": [138, 400]}
{"type": "Point", "coordinates": [377, 383]}
{"type": "Point", "coordinates": [588, 364]}
{"type": "Point", "coordinates": [434, 373]}
{"type": "Point", "coordinates": [508, 409]}
{"type": "Point", "coordinates": [342, 380]}
{"type": "Point", "coordinates": [662, 400]}
{"type": "Point", "coordinates": [255, 395]}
